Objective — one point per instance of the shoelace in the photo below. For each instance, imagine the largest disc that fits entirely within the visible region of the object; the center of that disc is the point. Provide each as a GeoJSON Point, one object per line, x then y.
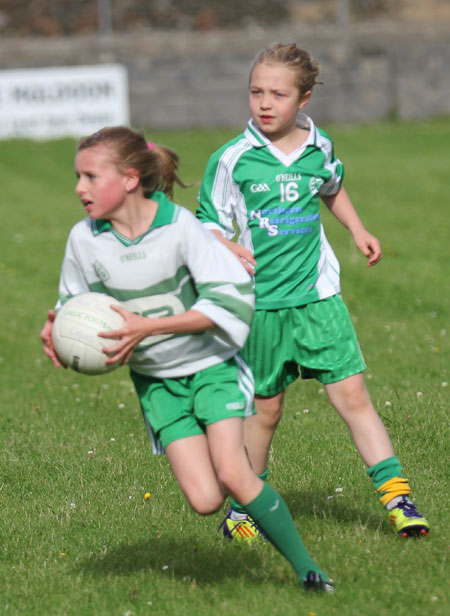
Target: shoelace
{"type": "Point", "coordinates": [409, 509]}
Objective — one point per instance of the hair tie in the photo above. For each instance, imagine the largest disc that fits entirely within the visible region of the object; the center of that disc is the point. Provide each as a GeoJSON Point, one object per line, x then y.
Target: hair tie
{"type": "Point", "coordinates": [150, 145]}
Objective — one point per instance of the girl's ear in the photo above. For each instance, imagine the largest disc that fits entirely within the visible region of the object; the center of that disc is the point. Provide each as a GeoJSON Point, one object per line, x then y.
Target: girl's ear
{"type": "Point", "coordinates": [131, 180]}
{"type": "Point", "coordinates": [305, 99]}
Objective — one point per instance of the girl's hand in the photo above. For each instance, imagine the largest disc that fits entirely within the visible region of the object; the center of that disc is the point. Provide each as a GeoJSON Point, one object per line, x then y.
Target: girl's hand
{"type": "Point", "coordinates": [135, 329]}
{"type": "Point", "coordinates": [46, 337]}
{"type": "Point", "coordinates": [341, 207]}
{"type": "Point", "coordinates": [243, 254]}
{"type": "Point", "coordinates": [369, 245]}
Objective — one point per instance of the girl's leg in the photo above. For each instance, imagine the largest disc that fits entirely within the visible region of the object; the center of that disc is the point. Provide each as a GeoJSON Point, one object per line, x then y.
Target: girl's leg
{"type": "Point", "coordinates": [351, 400]}
{"type": "Point", "coordinates": [229, 458]}
{"type": "Point", "coordinates": [260, 428]}
{"type": "Point", "coordinates": [191, 463]}
{"type": "Point", "coordinates": [262, 502]}
{"type": "Point", "coordinates": [258, 434]}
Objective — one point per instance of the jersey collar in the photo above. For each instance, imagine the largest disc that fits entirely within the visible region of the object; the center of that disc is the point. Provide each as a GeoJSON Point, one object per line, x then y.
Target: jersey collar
{"type": "Point", "coordinates": [166, 214]}
{"type": "Point", "coordinates": [258, 140]}
{"type": "Point", "coordinates": [167, 211]}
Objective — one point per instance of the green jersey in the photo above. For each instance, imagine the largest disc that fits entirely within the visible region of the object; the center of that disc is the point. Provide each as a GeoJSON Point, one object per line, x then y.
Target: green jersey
{"type": "Point", "coordinates": [273, 199]}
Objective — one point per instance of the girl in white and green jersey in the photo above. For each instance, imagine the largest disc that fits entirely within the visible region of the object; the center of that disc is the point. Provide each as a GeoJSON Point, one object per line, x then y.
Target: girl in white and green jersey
{"type": "Point", "coordinates": [268, 183]}
{"type": "Point", "coordinates": [158, 260]}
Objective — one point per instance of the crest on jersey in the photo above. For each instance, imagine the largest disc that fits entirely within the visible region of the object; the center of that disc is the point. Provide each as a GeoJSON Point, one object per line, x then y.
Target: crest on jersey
{"type": "Point", "coordinates": [315, 184]}
{"type": "Point", "coordinates": [101, 271]}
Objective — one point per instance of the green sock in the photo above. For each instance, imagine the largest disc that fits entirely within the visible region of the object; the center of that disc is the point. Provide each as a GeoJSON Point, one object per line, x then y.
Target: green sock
{"type": "Point", "coordinates": [272, 515]}
{"type": "Point", "coordinates": [383, 471]}
{"type": "Point", "coordinates": [239, 508]}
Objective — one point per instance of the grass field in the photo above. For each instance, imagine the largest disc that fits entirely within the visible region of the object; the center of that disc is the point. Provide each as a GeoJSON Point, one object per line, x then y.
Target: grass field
{"type": "Point", "coordinates": [77, 536]}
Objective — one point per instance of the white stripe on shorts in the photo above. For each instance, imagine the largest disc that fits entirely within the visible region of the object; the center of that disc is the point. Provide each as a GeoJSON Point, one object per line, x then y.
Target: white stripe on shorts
{"type": "Point", "coordinates": [246, 383]}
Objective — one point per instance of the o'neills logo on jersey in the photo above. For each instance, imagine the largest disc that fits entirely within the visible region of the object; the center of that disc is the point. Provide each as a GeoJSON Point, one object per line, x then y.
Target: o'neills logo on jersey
{"type": "Point", "coordinates": [288, 177]}
{"type": "Point", "coordinates": [257, 188]}
{"type": "Point", "coordinates": [133, 256]}
{"type": "Point", "coordinates": [264, 222]}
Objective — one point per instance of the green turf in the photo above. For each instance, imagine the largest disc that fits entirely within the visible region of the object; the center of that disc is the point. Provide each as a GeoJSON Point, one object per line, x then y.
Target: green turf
{"type": "Point", "coordinates": [77, 536]}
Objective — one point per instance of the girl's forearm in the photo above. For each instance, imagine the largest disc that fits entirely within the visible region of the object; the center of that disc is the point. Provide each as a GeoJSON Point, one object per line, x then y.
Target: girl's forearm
{"type": "Point", "coordinates": [187, 322]}
{"type": "Point", "coordinates": [342, 208]}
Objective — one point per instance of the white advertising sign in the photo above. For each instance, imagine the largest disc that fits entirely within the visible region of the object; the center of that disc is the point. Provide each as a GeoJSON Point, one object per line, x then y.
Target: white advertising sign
{"type": "Point", "coordinates": [73, 101]}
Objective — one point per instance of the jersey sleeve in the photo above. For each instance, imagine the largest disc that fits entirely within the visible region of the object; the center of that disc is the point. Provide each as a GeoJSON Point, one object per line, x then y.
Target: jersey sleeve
{"type": "Point", "coordinates": [217, 197]}
{"type": "Point", "coordinates": [225, 290]}
{"type": "Point", "coordinates": [332, 165]}
{"type": "Point", "coordinates": [72, 280]}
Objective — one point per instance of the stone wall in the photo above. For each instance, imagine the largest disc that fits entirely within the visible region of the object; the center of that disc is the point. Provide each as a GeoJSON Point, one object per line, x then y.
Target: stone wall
{"type": "Point", "coordinates": [192, 79]}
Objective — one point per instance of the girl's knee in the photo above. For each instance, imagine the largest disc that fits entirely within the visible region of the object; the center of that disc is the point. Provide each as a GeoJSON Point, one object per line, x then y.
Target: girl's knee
{"type": "Point", "coordinates": [269, 410]}
{"type": "Point", "coordinates": [205, 504]}
{"type": "Point", "coordinates": [350, 397]}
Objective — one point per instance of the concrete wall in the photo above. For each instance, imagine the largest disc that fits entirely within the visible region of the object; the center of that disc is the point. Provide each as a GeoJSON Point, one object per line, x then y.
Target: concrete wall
{"type": "Point", "coordinates": [193, 79]}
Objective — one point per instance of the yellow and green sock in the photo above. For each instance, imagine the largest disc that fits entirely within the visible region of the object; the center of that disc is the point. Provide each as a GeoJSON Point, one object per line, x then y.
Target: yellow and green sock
{"type": "Point", "coordinates": [388, 481]}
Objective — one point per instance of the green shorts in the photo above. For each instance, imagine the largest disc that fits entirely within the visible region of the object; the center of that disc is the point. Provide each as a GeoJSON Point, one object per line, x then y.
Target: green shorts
{"type": "Point", "coordinates": [181, 407]}
{"type": "Point", "coordinates": [318, 338]}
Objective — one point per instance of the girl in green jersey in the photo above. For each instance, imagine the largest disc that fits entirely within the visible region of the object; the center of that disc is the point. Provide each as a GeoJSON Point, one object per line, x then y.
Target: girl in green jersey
{"type": "Point", "coordinates": [268, 183]}
{"type": "Point", "coordinates": [194, 388]}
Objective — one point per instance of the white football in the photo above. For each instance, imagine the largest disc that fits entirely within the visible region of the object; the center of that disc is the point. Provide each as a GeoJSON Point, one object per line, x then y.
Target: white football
{"type": "Point", "coordinates": [75, 332]}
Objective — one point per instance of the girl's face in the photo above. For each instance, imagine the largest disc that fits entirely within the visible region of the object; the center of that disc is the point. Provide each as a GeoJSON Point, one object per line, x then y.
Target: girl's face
{"type": "Point", "coordinates": [275, 99]}
{"type": "Point", "coordinates": [101, 186]}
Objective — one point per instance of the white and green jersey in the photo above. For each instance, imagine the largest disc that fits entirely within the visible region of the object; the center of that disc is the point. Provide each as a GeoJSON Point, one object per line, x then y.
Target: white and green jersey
{"type": "Point", "coordinates": [273, 200]}
{"type": "Point", "coordinates": [175, 266]}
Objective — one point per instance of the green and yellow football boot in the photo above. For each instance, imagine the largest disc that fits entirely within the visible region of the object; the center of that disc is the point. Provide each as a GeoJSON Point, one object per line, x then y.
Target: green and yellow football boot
{"type": "Point", "coordinates": [241, 527]}
{"type": "Point", "coordinates": [405, 518]}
